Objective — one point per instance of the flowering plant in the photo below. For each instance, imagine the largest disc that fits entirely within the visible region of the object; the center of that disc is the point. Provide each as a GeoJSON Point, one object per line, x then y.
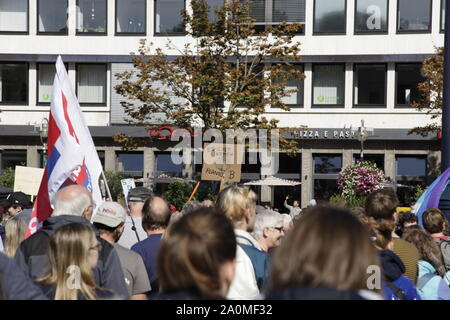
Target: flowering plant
{"type": "Point", "coordinates": [360, 179]}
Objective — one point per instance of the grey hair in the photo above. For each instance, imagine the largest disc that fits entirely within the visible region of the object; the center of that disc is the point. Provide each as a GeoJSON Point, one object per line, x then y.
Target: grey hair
{"type": "Point", "coordinates": [265, 220]}
{"type": "Point", "coordinates": [75, 207]}
{"type": "Point", "coordinates": [191, 206]}
{"type": "Point", "coordinates": [286, 220]}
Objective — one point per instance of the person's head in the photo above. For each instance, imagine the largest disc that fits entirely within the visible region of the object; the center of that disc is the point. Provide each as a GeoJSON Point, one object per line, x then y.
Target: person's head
{"type": "Point", "coordinates": [381, 204]}
{"type": "Point", "coordinates": [296, 204]}
{"type": "Point", "coordinates": [136, 198]}
{"type": "Point", "coordinates": [287, 222]}
{"type": "Point", "coordinates": [15, 229]}
{"type": "Point", "coordinates": [110, 220]}
{"type": "Point", "coordinates": [74, 200]}
{"type": "Point", "coordinates": [17, 202]}
{"type": "Point", "coordinates": [73, 250]}
{"type": "Point", "coordinates": [428, 249]}
{"type": "Point", "coordinates": [328, 248]}
{"type": "Point", "coordinates": [191, 206]}
{"type": "Point", "coordinates": [208, 203]}
{"type": "Point", "coordinates": [199, 255]}
{"type": "Point", "coordinates": [268, 230]}
{"type": "Point", "coordinates": [434, 221]}
{"type": "Point", "coordinates": [155, 214]}
{"type": "Point", "coordinates": [239, 205]}
{"type": "Point", "coordinates": [407, 219]}
{"type": "Point", "coordinates": [358, 212]}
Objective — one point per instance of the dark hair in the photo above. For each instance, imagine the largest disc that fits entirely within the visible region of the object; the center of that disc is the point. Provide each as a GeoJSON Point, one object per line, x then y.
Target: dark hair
{"type": "Point", "coordinates": [433, 220]}
{"type": "Point", "coordinates": [190, 257]}
{"type": "Point", "coordinates": [406, 217]}
{"type": "Point", "coordinates": [329, 247]}
{"type": "Point", "coordinates": [381, 204]}
{"type": "Point", "coordinates": [154, 217]}
{"type": "Point", "coordinates": [429, 250]}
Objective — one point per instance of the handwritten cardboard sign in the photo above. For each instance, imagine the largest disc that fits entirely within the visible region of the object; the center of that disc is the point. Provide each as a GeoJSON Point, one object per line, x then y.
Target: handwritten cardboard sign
{"type": "Point", "coordinates": [28, 179]}
{"type": "Point", "coordinates": [222, 162]}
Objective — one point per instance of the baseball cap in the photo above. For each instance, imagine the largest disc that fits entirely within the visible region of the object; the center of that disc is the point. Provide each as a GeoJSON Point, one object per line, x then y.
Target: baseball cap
{"type": "Point", "coordinates": [110, 214]}
{"type": "Point", "coordinates": [18, 198]}
{"type": "Point", "coordinates": [139, 194]}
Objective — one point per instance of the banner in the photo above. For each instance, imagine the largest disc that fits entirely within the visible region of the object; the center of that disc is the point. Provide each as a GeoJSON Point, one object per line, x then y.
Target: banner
{"type": "Point", "coordinates": [222, 162]}
{"type": "Point", "coordinates": [27, 179]}
{"type": "Point", "coordinates": [72, 157]}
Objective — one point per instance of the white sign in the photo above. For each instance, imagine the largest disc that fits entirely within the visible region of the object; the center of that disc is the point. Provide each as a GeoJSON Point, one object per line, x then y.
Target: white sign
{"type": "Point", "coordinates": [28, 180]}
{"type": "Point", "coordinates": [127, 185]}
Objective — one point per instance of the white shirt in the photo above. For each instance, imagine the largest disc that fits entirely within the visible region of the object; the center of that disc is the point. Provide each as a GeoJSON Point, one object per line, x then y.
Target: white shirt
{"type": "Point", "coordinates": [244, 286]}
{"type": "Point", "coordinates": [128, 238]}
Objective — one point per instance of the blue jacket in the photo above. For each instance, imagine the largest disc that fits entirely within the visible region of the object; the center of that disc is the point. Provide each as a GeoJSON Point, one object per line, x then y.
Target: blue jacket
{"type": "Point", "coordinates": [430, 285]}
{"type": "Point", "coordinates": [395, 282]}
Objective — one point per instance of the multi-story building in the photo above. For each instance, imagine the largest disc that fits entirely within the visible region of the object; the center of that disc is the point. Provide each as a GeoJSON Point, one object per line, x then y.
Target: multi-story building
{"type": "Point", "coordinates": [361, 59]}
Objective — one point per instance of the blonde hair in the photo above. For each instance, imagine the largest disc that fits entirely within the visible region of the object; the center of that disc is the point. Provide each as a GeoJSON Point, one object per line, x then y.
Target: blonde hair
{"type": "Point", "coordinates": [234, 201]}
{"type": "Point", "coordinates": [15, 229]}
{"type": "Point", "coordinates": [69, 247]}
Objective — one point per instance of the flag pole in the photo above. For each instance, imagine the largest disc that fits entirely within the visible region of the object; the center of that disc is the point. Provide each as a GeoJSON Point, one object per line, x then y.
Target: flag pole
{"type": "Point", "coordinates": [193, 192]}
{"type": "Point", "coordinates": [107, 187]}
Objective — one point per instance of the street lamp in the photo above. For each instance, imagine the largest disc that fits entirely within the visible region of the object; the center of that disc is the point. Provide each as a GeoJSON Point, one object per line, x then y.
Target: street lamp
{"type": "Point", "coordinates": [43, 134]}
{"type": "Point", "coordinates": [362, 134]}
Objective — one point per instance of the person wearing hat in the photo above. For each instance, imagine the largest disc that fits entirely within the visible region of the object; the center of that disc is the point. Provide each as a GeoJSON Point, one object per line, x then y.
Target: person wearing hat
{"type": "Point", "coordinates": [133, 231]}
{"type": "Point", "coordinates": [110, 221]}
{"type": "Point", "coordinates": [15, 203]}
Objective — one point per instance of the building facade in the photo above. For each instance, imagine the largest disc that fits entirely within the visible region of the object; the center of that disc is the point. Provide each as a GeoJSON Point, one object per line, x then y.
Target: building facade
{"type": "Point", "coordinates": [361, 60]}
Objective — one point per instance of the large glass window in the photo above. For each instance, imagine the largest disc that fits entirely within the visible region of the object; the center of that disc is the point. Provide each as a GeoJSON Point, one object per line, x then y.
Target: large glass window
{"type": "Point", "coordinates": [168, 19]}
{"type": "Point", "coordinates": [326, 170]}
{"type": "Point", "coordinates": [414, 15]}
{"type": "Point", "coordinates": [443, 15]}
{"type": "Point", "coordinates": [371, 16]}
{"type": "Point", "coordinates": [329, 16]}
{"type": "Point", "coordinates": [410, 172]}
{"type": "Point", "coordinates": [91, 83]}
{"type": "Point", "coordinates": [91, 16]}
{"type": "Point", "coordinates": [13, 158]}
{"type": "Point", "coordinates": [369, 85]}
{"type": "Point", "coordinates": [14, 83]}
{"type": "Point", "coordinates": [164, 164]}
{"type": "Point", "coordinates": [130, 16]}
{"type": "Point", "coordinates": [408, 78]}
{"type": "Point", "coordinates": [328, 85]}
{"type": "Point", "coordinates": [277, 11]}
{"type": "Point", "coordinates": [14, 16]}
{"type": "Point", "coordinates": [131, 163]}
{"type": "Point", "coordinates": [378, 159]}
{"type": "Point", "coordinates": [295, 99]}
{"type": "Point", "coordinates": [52, 16]}
{"type": "Point", "coordinates": [46, 75]}
{"type": "Point", "coordinates": [327, 164]}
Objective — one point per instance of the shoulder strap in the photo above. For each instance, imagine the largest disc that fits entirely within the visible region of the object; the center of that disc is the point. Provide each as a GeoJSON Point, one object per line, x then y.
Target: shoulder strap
{"type": "Point", "coordinates": [398, 293]}
{"type": "Point", "coordinates": [424, 280]}
{"type": "Point", "coordinates": [246, 239]}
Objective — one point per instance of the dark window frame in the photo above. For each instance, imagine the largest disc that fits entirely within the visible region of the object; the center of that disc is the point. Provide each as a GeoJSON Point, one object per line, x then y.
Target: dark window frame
{"type": "Point", "coordinates": [162, 34]}
{"type": "Point", "coordinates": [90, 33]}
{"type": "Point", "coordinates": [14, 103]}
{"type": "Point", "coordinates": [28, 24]}
{"type": "Point", "coordinates": [370, 106]}
{"type": "Point", "coordinates": [52, 33]}
{"type": "Point", "coordinates": [315, 33]}
{"type": "Point", "coordinates": [442, 17]}
{"type": "Point", "coordinates": [396, 105]}
{"type": "Point", "coordinates": [37, 81]}
{"type": "Point", "coordinates": [408, 177]}
{"type": "Point", "coordinates": [105, 94]}
{"type": "Point", "coordinates": [119, 34]}
{"type": "Point", "coordinates": [131, 173]}
{"type": "Point", "coordinates": [371, 32]}
{"type": "Point", "coordinates": [324, 106]}
{"type": "Point", "coordinates": [429, 30]}
{"type": "Point", "coordinates": [325, 175]}
{"type": "Point", "coordinates": [302, 105]}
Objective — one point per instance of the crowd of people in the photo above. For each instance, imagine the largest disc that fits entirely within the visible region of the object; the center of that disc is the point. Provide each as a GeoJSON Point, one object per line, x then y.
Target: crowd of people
{"type": "Point", "coordinates": [228, 249]}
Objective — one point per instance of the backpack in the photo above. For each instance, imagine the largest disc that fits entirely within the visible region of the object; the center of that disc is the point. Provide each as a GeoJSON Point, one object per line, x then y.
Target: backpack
{"type": "Point", "coordinates": [260, 264]}
{"type": "Point", "coordinates": [444, 245]}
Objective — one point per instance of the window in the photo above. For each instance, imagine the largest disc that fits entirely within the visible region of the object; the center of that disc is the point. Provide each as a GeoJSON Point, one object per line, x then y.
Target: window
{"type": "Point", "coordinates": [328, 85]}
{"type": "Point", "coordinates": [443, 15]}
{"type": "Point", "coordinates": [130, 16]}
{"type": "Point", "coordinates": [13, 158]}
{"type": "Point", "coordinates": [295, 99]}
{"type": "Point", "coordinates": [213, 5]}
{"type": "Point", "coordinates": [14, 83]}
{"type": "Point", "coordinates": [408, 78]}
{"type": "Point", "coordinates": [101, 156]}
{"type": "Point", "coordinates": [131, 163]}
{"type": "Point", "coordinates": [410, 172]}
{"type": "Point", "coordinates": [329, 16]}
{"type": "Point", "coordinates": [14, 16]}
{"type": "Point", "coordinates": [52, 16]}
{"type": "Point", "coordinates": [91, 83]}
{"type": "Point", "coordinates": [266, 12]}
{"type": "Point", "coordinates": [326, 169]}
{"type": "Point", "coordinates": [414, 16]}
{"type": "Point", "coordinates": [168, 19]}
{"type": "Point", "coordinates": [378, 159]}
{"type": "Point", "coordinates": [165, 164]}
{"type": "Point", "coordinates": [371, 16]}
{"type": "Point", "coordinates": [369, 85]}
{"type": "Point", "coordinates": [91, 16]}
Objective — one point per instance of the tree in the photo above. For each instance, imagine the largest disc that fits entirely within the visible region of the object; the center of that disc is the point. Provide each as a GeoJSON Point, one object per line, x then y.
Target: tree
{"type": "Point", "coordinates": [115, 186]}
{"type": "Point", "coordinates": [7, 178]}
{"type": "Point", "coordinates": [178, 194]}
{"type": "Point", "coordinates": [431, 92]}
{"type": "Point", "coordinates": [223, 78]}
